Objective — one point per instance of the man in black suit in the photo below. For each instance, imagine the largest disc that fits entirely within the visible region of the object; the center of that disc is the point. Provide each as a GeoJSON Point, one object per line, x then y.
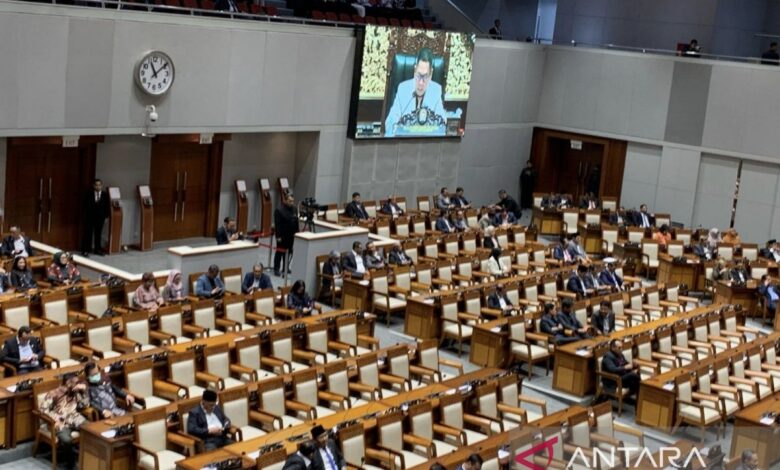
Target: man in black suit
{"type": "Point", "coordinates": [615, 363]}
{"type": "Point", "coordinates": [227, 233]}
{"type": "Point", "coordinates": [739, 273]}
{"type": "Point", "coordinates": [770, 293]}
{"type": "Point", "coordinates": [702, 250]}
{"type": "Point", "coordinates": [499, 301]}
{"type": "Point", "coordinates": [459, 200]}
{"type": "Point", "coordinates": [609, 277]}
{"type": "Point", "coordinates": [353, 262]}
{"type": "Point", "coordinates": [16, 244]}
{"type": "Point", "coordinates": [286, 226]}
{"type": "Point", "coordinates": [766, 252]}
{"type": "Point", "coordinates": [398, 256]}
{"type": "Point", "coordinates": [642, 218]}
{"type": "Point", "coordinates": [505, 201]}
{"type": "Point", "coordinates": [24, 352]}
{"type": "Point", "coordinates": [551, 325]}
{"type": "Point", "coordinates": [301, 460]}
{"type": "Point", "coordinates": [328, 455]}
{"type": "Point", "coordinates": [391, 208]}
{"type": "Point", "coordinates": [356, 209]}
{"type": "Point", "coordinates": [256, 280]}
{"type": "Point", "coordinates": [576, 282]}
{"type": "Point", "coordinates": [208, 423]}
{"type": "Point", "coordinates": [96, 209]}
{"type": "Point", "coordinates": [495, 31]}
{"type": "Point", "coordinates": [619, 217]}
{"type": "Point", "coordinates": [603, 321]}
{"type": "Point", "coordinates": [443, 223]}
{"type": "Point", "coordinates": [569, 320]}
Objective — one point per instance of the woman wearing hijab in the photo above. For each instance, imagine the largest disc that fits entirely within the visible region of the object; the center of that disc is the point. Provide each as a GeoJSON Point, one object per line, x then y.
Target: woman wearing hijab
{"type": "Point", "coordinates": [174, 289]}
{"type": "Point", "coordinates": [146, 295]}
{"type": "Point", "coordinates": [495, 266]}
{"type": "Point", "coordinates": [62, 271]}
{"type": "Point", "coordinates": [713, 239]}
{"type": "Point", "coordinates": [21, 275]}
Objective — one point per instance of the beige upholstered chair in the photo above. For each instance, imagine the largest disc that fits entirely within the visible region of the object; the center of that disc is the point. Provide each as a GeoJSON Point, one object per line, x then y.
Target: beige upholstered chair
{"type": "Point", "coordinates": [232, 278]}
{"type": "Point", "coordinates": [152, 438]}
{"type": "Point", "coordinates": [725, 251]}
{"type": "Point", "coordinates": [282, 349]}
{"type": "Point", "coordinates": [272, 460]}
{"type": "Point", "coordinates": [510, 393]}
{"type": "Point", "coordinates": [377, 385]}
{"type": "Point", "coordinates": [306, 391]}
{"type": "Point", "coordinates": [55, 308]}
{"type": "Point", "coordinates": [235, 311]}
{"type": "Point", "coordinates": [428, 357]}
{"type": "Point", "coordinates": [44, 425]}
{"type": "Point", "coordinates": [150, 393]}
{"type": "Point", "coordinates": [649, 261]}
{"type": "Point", "coordinates": [96, 300]}
{"type": "Point", "coordinates": [398, 364]}
{"type": "Point", "coordinates": [137, 330]}
{"type": "Point", "coordinates": [59, 352]}
{"type": "Point", "coordinates": [182, 372]}
{"type": "Point", "coordinates": [204, 315]}
{"type": "Point", "coordinates": [216, 361]}
{"type": "Point", "coordinates": [425, 431]}
{"type": "Point", "coordinates": [264, 303]}
{"type": "Point", "coordinates": [251, 364]}
{"type": "Point", "coordinates": [526, 347]}
{"type": "Point", "coordinates": [338, 383]}
{"type": "Point", "coordinates": [489, 406]}
{"type": "Point", "coordinates": [347, 333]}
{"type": "Point", "coordinates": [274, 406]}
{"type": "Point", "coordinates": [353, 448]}
{"type": "Point", "coordinates": [391, 438]}
{"type": "Point", "coordinates": [318, 343]}
{"type": "Point", "coordinates": [383, 299]}
{"type": "Point", "coordinates": [100, 339]}
{"type": "Point", "coordinates": [455, 325]}
{"type": "Point", "coordinates": [453, 415]}
{"type": "Point", "coordinates": [171, 322]}
{"type": "Point", "coordinates": [571, 219]}
{"type": "Point", "coordinates": [16, 313]}
{"type": "Point", "coordinates": [235, 405]}
{"type": "Point", "coordinates": [692, 410]}
{"type": "Point", "coordinates": [609, 236]}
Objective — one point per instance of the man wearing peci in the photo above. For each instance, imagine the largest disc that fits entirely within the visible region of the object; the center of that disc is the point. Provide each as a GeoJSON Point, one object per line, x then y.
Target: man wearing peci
{"type": "Point", "coordinates": [417, 93]}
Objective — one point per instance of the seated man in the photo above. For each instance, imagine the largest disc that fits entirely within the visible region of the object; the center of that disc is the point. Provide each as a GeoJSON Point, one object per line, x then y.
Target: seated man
{"type": "Point", "coordinates": [561, 253]}
{"type": "Point", "coordinates": [227, 233]}
{"type": "Point", "coordinates": [328, 455]}
{"type": "Point", "coordinates": [391, 208]}
{"type": "Point", "coordinates": [209, 285]}
{"type": "Point", "coordinates": [208, 423]}
{"type": "Point", "coordinates": [769, 292]}
{"type": "Point", "coordinates": [356, 209]}
{"type": "Point", "coordinates": [592, 281]}
{"type": "Point", "coordinates": [63, 405]}
{"type": "Point", "coordinates": [577, 251]}
{"type": "Point", "coordinates": [398, 257]}
{"type": "Point", "coordinates": [504, 218]}
{"type": "Point", "coordinates": [702, 249]}
{"type": "Point", "coordinates": [551, 325]}
{"type": "Point", "coordinates": [603, 321]}
{"type": "Point", "coordinates": [103, 393]}
{"type": "Point", "coordinates": [460, 222]}
{"type": "Point", "coordinates": [459, 200]}
{"type": "Point", "coordinates": [768, 250]}
{"type": "Point", "coordinates": [614, 362]}
{"type": "Point", "coordinates": [576, 282]}
{"type": "Point", "coordinates": [499, 301]}
{"type": "Point", "coordinates": [372, 257]}
{"type": "Point", "coordinates": [609, 277]}
{"type": "Point", "coordinates": [443, 223]}
{"type": "Point", "coordinates": [353, 263]}
{"type": "Point", "coordinates": [474, 462]}
{"type": "Point", "coordinates": [619, 217]}
{"type": "Point", "coordinates": [642, 218]}
{"type": "Point", "coordinates": [505, 201]}
{"type": "Point", "coordinates": [256, 280]}
{"type": "Point", "coordinates": [24, 351]}
{"type": "Point", "coordinates": [443, 201]}
{"type": "Point", "coordinates": [16, 244]}
{"type": "Point", "coordinates": [301, 460]}
{"type": "Point", "coordinates": [569, 320]}
{"type": "Point", "coordinates": [332, 273]}
{"type": "Point", "coordinates": [739, 273]}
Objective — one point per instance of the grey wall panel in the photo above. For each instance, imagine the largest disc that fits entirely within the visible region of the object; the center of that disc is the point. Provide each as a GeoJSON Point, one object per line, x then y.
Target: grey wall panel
{"type": "Point", "coordinates": [676, 189]}
{"type": "Point", "coordinates": [9, 98]}
{"type": "Point", "coordinates": [514, 86]}
{"type": "Point", "coordinates": [533, 80]}
{"type": "Point", "coordinates": [757, 193]}
{"type": "Point", "coordinates": [760, 123]}
{"type": "Point", "coordinates": [581, 93]}
{"type": "Point", "coordinates": [488, 75]}
{"type": "Point", "coordinates": [88, 77]}
{"type": "Point", "coordinates": [244, 85]}
{"type": "Point", "coordinates": [688, 103]}
{"type": "Point", "coordinates": [640, 176]}
{"type": "Point", "coordinates": [40, 67]}
{"type": "Point", "coordinates": [727, 108]}
{"type": "Point", "coordinates": [322, 97]}
{"type": "Point", "coordinates": [554, 87]}
{"type": "Point", "coordinates": [3, 159]}
{"type": "Point", "coordinates": [714, 191]}
{"type": "Point", "coordinates": [652, 83]}
{"type": "Point", "coordinates": [614, 93]}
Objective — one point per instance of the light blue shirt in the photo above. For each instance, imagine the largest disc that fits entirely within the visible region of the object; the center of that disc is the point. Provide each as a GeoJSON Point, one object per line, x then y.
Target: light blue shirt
{"type": "Point", "coordinates": [405, 102]}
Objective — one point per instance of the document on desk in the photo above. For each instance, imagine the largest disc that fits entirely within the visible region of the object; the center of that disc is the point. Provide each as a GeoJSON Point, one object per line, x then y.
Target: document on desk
{"type": "Point", "coordinates": [583, 352]}
{"type": "Point", "coordinates": [110, 434]}
{"type": "Point", "coordinates": [767, 420]}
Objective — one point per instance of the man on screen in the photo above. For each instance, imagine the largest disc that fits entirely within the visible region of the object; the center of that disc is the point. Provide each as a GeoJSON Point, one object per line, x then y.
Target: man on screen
{"type": "Point", "coordinates": [419, 97]}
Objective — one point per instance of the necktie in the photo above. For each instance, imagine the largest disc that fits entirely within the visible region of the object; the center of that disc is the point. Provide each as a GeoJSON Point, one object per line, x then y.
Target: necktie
{"type": "Point", "coordinates": [330, 459]}
{"type": "Point", "coordinates": [97, 196]}
{"type": "Point", "coordinates": [644, 221]}
{"type": "Point", "coordinates": [582, 285]}
{"type": "Point", "coordinates": [612, 276]}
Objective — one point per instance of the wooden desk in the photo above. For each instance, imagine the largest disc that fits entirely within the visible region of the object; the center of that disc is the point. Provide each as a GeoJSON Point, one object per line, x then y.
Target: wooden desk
{"type": "Point", "coordinates": [422, 318]}
{"type": "Point", "coordinates": [549, 221]}
{"type": "Point", "coordinates": [591, 238]}
{"type": "Point", "coordinates": [356, 295]}
{"type": "Point", "coordinates": [663, 460]}
{"type": "Point", "coordinates": [746, 296]}
{"type": "Point", "coordinates": [204, 460]}
{"type": "Point", "coordinates": [487, 449]}
{"type": "Point", "coordinates": [631, 254]}
{"type": "Point", "coordinates": [750, 433]}
{"type": "Point", "coordinates": [489, 348]}
{"type": "Point", "coordinates": [678, 273]}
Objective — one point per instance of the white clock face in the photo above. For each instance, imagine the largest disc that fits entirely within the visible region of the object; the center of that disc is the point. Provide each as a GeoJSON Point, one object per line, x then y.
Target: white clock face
{"type": "Point", "coordinates": [154, 74]}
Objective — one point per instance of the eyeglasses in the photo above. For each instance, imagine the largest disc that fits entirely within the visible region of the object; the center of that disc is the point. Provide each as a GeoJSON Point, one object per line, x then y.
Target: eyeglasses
{"type": "Point", "coordinates": [422, 78]}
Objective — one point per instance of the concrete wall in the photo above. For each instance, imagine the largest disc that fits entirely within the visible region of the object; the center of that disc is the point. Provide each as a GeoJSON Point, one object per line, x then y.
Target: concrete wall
{"type": "Point", "coordinates": [518, 17]}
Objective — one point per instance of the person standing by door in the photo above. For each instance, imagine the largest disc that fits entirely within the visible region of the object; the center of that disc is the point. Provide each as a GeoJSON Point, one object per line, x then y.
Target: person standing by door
{"type": "Point", "coordinates": [527, 182]}
{"type": "Point", "coordinates": [96, 209]}
{"type": "Point", "coordinates": [286, 226]}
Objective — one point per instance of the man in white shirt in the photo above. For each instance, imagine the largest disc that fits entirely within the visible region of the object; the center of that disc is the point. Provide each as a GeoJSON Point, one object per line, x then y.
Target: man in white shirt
{"type": "Point", "coordinates": [328, 456]}
{"type": "Point", "coordinates": [24, 352]}
{"type": "Point", "coordinates": [353, 262]}
{"type": "Point", "coordinates": [644, 219]}
{"type": "Point", "coordinates": [16, 244]}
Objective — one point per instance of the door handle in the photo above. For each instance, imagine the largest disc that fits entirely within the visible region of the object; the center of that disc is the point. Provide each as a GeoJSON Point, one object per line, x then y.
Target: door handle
{"type": "Point", "coordinates": [183, 196]}
{"type": "Point", "coordinates": [40, 204]}
{"type": "Point", "coordinates": [176, 202]}
{"type": "Point", "coordinates": [48, 228]}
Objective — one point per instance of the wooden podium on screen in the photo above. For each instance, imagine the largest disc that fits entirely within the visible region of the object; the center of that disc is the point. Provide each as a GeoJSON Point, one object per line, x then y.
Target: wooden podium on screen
{"type": "Point", "coordinates": [115, 221]}
{"type": "Point", "coordinates": [147, 217]}
{"type": "Point", "coordinates": [284, 188]}
{"type": "Point", "coordinates": [242, 204]}
{"type": "Point", "coordinates": [265, 205]}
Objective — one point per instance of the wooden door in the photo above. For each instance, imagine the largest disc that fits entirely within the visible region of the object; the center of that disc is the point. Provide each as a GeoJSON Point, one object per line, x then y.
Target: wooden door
{"type": "Point", "coordinates": [180, 186]}
{"type": "Point", "coordinates": [44, 184]}
{"type": "Point", "coordinates": [575, 165]}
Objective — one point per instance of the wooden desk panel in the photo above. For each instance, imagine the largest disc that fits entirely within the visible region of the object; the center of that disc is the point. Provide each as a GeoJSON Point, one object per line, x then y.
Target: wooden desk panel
{"type": "Point", "coordinates": [749, 433]}
{"type": "Point", "coordinates": [674, 273]}
{"type": "Point", "coordinates": [489, 348]}
{"type": "Point", "coordinates": [745, 296]}
{"type": "Point", "coordinates": [656, 407]}
{"type": "Point", "coordinates": [572, 373]}
{"type": "Point", "coordinates": [356, 295]}
{"type": "Point", "coordinates": [422, 318]}
{"type": "Point", "coordinates": [549, 222]}
{"type": "Point", "coordinates": [205, 460]}
{"type": "Point", "coordinates": [591, 238]}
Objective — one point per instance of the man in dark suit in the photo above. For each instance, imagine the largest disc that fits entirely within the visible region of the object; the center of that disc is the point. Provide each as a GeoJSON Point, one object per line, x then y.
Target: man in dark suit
{"type": "Point", "coordinates": [16, 244]}
{"type": "Point", "coordinates": [609, 277]}
{"type": "Point", "coordinates": [495, 30]}
{"type": "Point", "coordinates": [551, 325]}
{"type": "Point", "coordinates": [643, 218]}
{"type": "Point", "coordinates": [569, 320]}
{"type": "Point", "coordinates": [353, 262]}
{"type": "Point", "coordinates": [96, 209]}
{"type": "Point", "coordinates": [301, 460]}
{"type": "Point", "coordinates": [766, 252]}
{"type": "Point", "coordinates": [356, 209]}
{"type": "Point", "coordinates": [24, 352]}
{"type": "Point", "coordinates": [769, 292]}
{"type": "Point", "coordinates": [227, 233]}
{"type": "Point", "coordinates": [328, 455]}
{"type": "Point", "coordinates": [619, 217]}
{"type": "Point", "coordinates": [256, 280]}
{"type": "Point", "coordinates": [459, 200]}
{"type": "Point", "coordinates": [615, 363]}
{"type": "Point", "coordinates": [499, 301]}
{"type": "Point", "coordinates": [397, 256]}
{"type": "Point", "coordinates": [603, 321]}
{"type": "Point", "coordinates": [285, 226]}
{"type": "Point", "coordinates": [739, 273]}
{"type": "Point", "coordinates": [391, 208]}
{"type": "Point", "coordinates": [702, 250]}
{"type": "Point", "coordinates": [505, 201]}
{"type": "Point", "coordinates": [208, 423]}
{"type": "Point", "coordinates": [504, 218]}
{"type": "Point", "coordinates": [576, 282]}
{"type": "Point", "coordinates": [562, 254]}
{"type": "Point", "coordinates": [443, 223]}
{"type": "Point", "coordinates": [331, 271]}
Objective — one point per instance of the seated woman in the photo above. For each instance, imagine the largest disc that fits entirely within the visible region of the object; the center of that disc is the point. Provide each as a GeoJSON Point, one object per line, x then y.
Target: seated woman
{"type": "Point", "coordinates": [662, 236]}
{"type": "Point", "coordinates": [146, 295]}
{"type": "Point", "coordinates": [174, 289]}
{"type": "Point", "coordinates": [495, 266]}
{"type": "Point", "coordinates": [21, 275]}
{"type": "Point", "coordinates": [299, 300]}
{"type": "Point", "coordinates": [62, 271]}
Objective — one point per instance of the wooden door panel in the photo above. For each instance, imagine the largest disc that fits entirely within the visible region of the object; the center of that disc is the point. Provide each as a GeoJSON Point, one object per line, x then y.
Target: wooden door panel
{"type": "Point", "coordinates": [193, 166]}
{"type": "Point", "coordinates": [24, 189]}
{"type": "Point", "coordinates": [64, 201]}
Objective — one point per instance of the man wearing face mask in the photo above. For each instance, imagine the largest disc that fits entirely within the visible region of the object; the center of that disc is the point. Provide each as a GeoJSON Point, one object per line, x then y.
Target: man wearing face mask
{"type": "Point", "coordinates": [103, 393]}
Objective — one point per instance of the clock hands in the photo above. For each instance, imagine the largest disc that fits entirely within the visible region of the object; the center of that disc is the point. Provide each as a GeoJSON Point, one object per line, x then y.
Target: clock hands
{"type": "Point", "coordinates": [154, 72]}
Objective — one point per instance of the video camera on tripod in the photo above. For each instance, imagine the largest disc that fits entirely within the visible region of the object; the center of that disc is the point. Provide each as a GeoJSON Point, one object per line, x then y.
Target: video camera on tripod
{"type": "Point", "coordinates": [309, 208]}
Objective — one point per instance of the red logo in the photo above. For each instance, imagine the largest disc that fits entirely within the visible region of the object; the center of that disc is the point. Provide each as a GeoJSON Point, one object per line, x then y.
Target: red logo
{"type": "Point", "coordinates": [548, 444]}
